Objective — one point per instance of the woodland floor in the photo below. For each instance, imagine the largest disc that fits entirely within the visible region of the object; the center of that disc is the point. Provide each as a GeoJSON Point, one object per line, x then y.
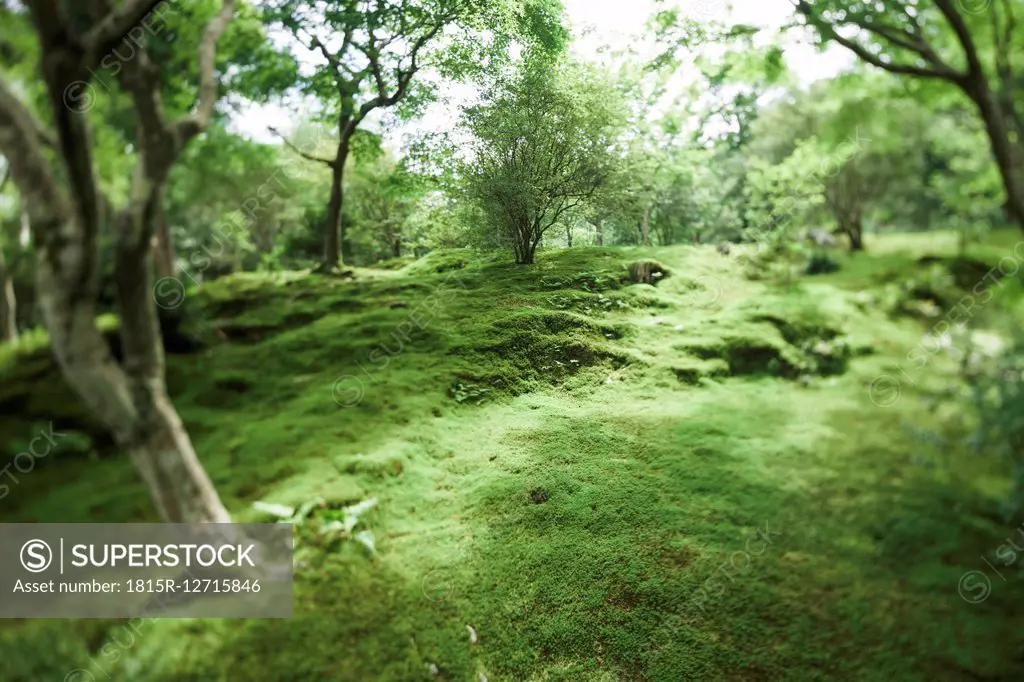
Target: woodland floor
{"type": "Point", "coordinates": [562, 460]}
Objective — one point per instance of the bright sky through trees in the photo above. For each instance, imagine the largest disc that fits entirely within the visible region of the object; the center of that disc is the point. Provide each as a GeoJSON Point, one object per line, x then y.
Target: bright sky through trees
{"type": "Point", "coordinates": [599, 24]}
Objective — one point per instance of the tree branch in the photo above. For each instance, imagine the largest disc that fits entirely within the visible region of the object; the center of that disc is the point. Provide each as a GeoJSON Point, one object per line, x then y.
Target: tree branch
{"type": "Point", "coordinates": [316, 44]}
{"type": "Point", "coordinates": [939, 71]}
{"type": "Point", "coordinates": [197, 122]}
{"type": "Point", "coordinates": [963, 34]}
{"type": "Point", "coordinates": [111, 29]}
{"type": "Point", "coordinates": [328, 162]}
{"type": "Point", "coordinates": [404, 76]}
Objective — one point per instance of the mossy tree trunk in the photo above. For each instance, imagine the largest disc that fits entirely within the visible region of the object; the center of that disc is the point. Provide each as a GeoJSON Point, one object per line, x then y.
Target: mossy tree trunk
{"type": "Point", "coordinates": [163, 247]}
{"type": "Point", "coordinates": [333, 226]}
{"type": "Point", "coordinates": [67, 217]}
{"type": "Point", "coordinates": [8, 304]}
{"type": "Point", "coordinates": [853, 227]}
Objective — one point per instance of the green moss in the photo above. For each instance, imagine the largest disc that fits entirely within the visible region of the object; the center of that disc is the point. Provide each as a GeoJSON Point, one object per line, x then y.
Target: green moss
{"type": "Point", "coordinates": [660, 452]}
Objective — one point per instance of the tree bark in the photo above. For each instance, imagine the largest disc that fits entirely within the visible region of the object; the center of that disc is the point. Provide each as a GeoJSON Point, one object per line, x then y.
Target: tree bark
{"type": "Point", "coordinates": [854, 229]}
{"type": "Point", "coordinates": [156, 439]}
{"type": "Point", "coordinates": [66, 222]}
{"type": "Point", "coordinates": [598, 233]}
{"type": "Point", "coordinates": [1008, 153]}
{"type": "Point", "coordinates": [568, 235]}
{"type": "Point", "coordinates": [333, 228]}
{"type": "Point", "coordinates": [396, 247]}
{"type": "Point", "coordinates": [8, 304]}
{"type": "Point", "coordinates": [163, 247]}
{"type": "Point", "coordinates": [645, 230]}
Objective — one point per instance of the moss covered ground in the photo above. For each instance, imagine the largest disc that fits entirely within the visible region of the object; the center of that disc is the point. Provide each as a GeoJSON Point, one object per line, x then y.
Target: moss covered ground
{"type": "Point", "coordinates": [700, 479]}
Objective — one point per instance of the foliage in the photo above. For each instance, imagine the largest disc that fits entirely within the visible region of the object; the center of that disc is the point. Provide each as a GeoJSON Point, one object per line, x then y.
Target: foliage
{"type": "Point", "coordinates": [821, 264]}
{"type": "Point", "coordinates": [997, 391]}
{"type": "Point", "coordinates": [543, 143]}
{"type": "Point", "coordinates": [458, 522]}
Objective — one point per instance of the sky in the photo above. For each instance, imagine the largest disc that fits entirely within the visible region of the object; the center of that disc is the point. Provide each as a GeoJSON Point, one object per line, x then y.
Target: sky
{"type": "Point", "coordinates": [616, 24]}
{"type": "Point", "coordinates": [618, 27]}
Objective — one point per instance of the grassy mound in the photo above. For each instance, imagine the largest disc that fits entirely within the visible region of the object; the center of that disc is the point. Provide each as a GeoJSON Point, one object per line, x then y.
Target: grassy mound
{"type": "Point", "coordinates": [604, 480]}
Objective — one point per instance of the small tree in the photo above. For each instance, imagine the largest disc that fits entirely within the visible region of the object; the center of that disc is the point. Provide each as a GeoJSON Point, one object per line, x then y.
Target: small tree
{"type": "Point", "coordinates": [384, 196]}
{"type": "Point", "coordinates": [543, 143]}
{"type": "Point", "coordinates": [372, 53]}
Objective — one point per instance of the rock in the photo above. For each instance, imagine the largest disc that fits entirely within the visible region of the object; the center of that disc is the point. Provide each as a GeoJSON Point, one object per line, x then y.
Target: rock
{"type": "Point", "coordinates": [822, 237]}
{"type": "Point", "coordinates": [647, 272]}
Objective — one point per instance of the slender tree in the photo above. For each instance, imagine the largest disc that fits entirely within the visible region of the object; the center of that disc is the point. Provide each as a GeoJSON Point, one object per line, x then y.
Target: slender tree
{"type": "Point", "coordinates": [372, 52]}
{"type": "Point", "coordinates": [68, 212]}
{"type": "Point", "coordinates": [378, 49]}
{"type": "Point", "coordinates": [543, 144]}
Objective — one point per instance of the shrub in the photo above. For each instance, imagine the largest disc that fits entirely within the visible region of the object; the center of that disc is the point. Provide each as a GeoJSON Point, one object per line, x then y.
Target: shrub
{"type": "Point", "coordinates": [821, 264]}
{"type": "Point", "coordinates": [997, 390]}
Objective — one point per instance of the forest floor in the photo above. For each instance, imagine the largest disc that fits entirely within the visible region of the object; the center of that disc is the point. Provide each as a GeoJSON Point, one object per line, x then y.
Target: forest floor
{"type": "Point", "coordinates": [700, 480]}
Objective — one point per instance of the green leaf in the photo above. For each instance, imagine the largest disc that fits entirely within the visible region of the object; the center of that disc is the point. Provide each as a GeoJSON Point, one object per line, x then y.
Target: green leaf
{"type": "Point", "coordinates": [282, 511]}
{"type": "Point", "coordinates": [366, 539]}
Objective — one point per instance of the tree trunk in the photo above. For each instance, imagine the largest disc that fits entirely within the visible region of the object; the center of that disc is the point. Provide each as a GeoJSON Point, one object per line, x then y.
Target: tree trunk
{"type": "Point", "coordinates": [599, 235]}
{"type": "Point", "coordinates": [8, 304]}
{"type": "Point", "coordinates": [396, 247]}
{"type": "Point", "coordinates": [164, 456]}
{"type": "Point", "coordinates": [524, 252]}
{"type": "Point", "coordinates": [67, 221]}
{"type": "Point", "coordinates": [855, 231]}
{"type": "Point", "coordinates": [163, 246]}
{"type": "Point", "coordinates": [522, 242]}
{"type": "Point", "coordinates": [155, 437]}
{"type": "Point", "coordinates": [1009, 153]}
{"type": "Point", "coordinates": [153, 433]}
{"type": "Point", "coordinates": [645, 230]}
{"type": "Point", "coordinates": [568, 235]}
{"type": "Point", "coordinates": [130, 398]}
{"type": "Point", "coordinates": [333, 236]}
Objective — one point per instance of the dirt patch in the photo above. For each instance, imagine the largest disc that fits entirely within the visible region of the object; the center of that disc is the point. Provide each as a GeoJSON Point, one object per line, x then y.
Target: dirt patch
{"type": "Point", "coordinates": [622, 597]}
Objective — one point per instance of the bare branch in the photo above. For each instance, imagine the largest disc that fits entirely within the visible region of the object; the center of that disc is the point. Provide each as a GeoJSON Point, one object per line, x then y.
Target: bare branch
{"type": "Point", "coordinates": [328, 162]}
{"type": "Point", "coordinates": [404, 75]}
{"type": "Point", "coordinates": [111, 29]}
{"type": "Point", "coordinates": [195, 124]}
{"type": "Point", "coordinates": [316, 44]}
